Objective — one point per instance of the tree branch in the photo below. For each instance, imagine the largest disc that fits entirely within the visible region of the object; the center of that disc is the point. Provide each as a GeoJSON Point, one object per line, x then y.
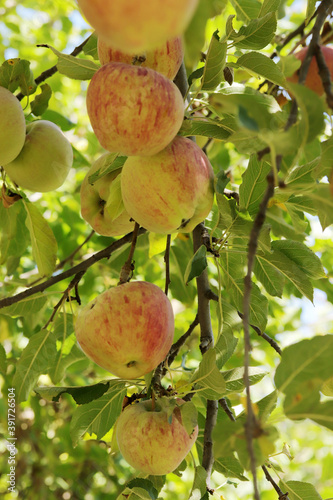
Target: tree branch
{"type": "Point", "coordinates": [83, 266]}
{"type": "Point", "coordinates": [251, 424]}
{"type": "Point", "coordinates": [167, 264]}
{"type": "Point", "coordinates": [206, 342]}
{"type": "Point", "coordinates": [282, 496]}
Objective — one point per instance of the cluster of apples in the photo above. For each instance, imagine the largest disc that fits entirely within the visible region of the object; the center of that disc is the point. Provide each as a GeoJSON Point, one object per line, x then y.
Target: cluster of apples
{"type": "Point", "coordinates": [166, 186]}
{"type": "Point", "coordinates": [36, 156]}
{"type": "Point", "coordinates": [136, 110]}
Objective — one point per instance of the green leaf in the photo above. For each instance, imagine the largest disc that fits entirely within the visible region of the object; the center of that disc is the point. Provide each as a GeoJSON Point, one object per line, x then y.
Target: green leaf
{"type": "Point", "coordinates": [114, 204]}
{"type": "Point", "coordinates": [189, 415]}
{"type": "Point", "coordinates": [111, 162]}
{"type": "Point", "coordinates": [204, 127]}
{"type": "Point", "coordinates": [312, 108]}
{"type": "Point", "coordinates": [90, 47]}
{"type": "Point", "coordinates": [298, 490]}
{"type": "Point", "coordinates": [235, 378]}
{"type": "Point", "coordinates": [74, 67]}
{"type": "Point", "coordinates": [143, 484]}
{"type": "Point", "coordinates": [229, 466]}
{"type": "Point", "coordinates": [14, 235]}
{"type": "Point", "coordinates": [263, 66]}
{"type": "Point", "coordinates": [3, 361]}
{"type": "Point", "coordinates": [64, 123]}
{"type": "Point", "coordinates": [278, 261]}
{"type": "Point", "coordinates": [44, 244]}
{"type": "Point", "coordinates": [258, 305]}
{"type": "Point", "coordinates": [215, 62]}
{"type": "Point", "coordinates": [208, 379]}
{"type": "Point", "coordinates": [257, 34]}
{"type": "Point", "coordinates": [28, 305]}
{"type": "Point", "coordinates": [270, 277]}
{"type": "Point", "coordinates": [99, 415]}
{"type": "Point", "coordinates": [246, 9]}
{"type": "Point", "coordinates": [199, 484]}
{"type": "Point", "coordinates": [307, 360]}
{"type": "Point", "coordinates": [254, 184]}
{"type": "Point", "coordinates": [302, 256]}
{"type": "Point", "coordinates": [36, 358]}
{"type": "Point", "coordinates": [40, 104]}
{"type": "Point", "coordinates": [269, 6]}
{"type": "Point", "coordinates": [196, 265]}
{"type": "Point", "coordinates": [16, 73]}
{"type": "Point", "coordinates": [81, 395]}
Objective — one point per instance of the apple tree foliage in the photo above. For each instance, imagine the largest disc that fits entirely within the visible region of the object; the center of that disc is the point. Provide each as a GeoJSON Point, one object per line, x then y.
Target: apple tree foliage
{"type": "Point", "coordinates": [260, 261]}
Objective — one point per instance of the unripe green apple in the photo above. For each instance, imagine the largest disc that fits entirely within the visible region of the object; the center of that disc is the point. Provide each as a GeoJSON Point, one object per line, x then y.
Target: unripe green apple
{"type": "Point", "coordinates": [165, 59]}
{"type": "Point", "coordinates": [133, 110]}
{"type": "Point", "coordinates": [12, 126]}
{"type": "Point", "coordinates": [148, 441]}
{"type": "Point", "coordinates": [313, 80]}
{"type": "Point", "coordinates": [127, 330]}
{"type": "Point", "coordinates": [135, 26]}
{"type": "Point", "coordinates": [45, 159]}
{"type": "Point", "coordinates": [106, 216]}
{"type": "Point", "coordinates": [171, 191]}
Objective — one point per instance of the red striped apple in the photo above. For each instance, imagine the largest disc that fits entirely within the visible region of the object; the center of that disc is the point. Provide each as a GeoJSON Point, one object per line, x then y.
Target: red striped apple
{"type": "Point", "coordinates": [135, 26]}
{"type": "Point", "coordinates": [12, 126]}
{"type": "Point", "coordinates": [127, 330]}
{"type": "Point", "coordinates": [171, 191]}
{"type": "Point", "coordinates": [133, 110]}
{"type": "Point", "coordinates": [45, 159]}
{"type": "Point", "coordinates": [165, 59]}
{"type": "Point", "coordinates": [147, 439]}
{"type": "Point", "coordinates": [106, 216]}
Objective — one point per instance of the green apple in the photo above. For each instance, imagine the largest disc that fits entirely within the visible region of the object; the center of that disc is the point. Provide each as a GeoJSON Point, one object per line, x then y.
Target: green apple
{"type": "Point", "coordinates": [133, 110]}
{"type": "Point", "coordinates": [127, 330]}
{"type": "Point", "coordinates": [147, 439]}
{"type": "Point", "coordinates": [45, 159]}
{"type": "Point", "coordinates": [171, 191]}
{"type": "Point", "coordinates": [12, 126]}
{"type": "Point", "coordinates": [313, 80]}
{"type": "Point", "coordinates": [136, 26]}
{"type": "Point", "coordinates": [106, 216]}
{"type": "Point", "coordinates": [165, 59]}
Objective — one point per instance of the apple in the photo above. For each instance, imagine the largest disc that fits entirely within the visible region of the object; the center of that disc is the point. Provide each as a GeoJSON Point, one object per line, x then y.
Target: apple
{"type": "Point", "coordinates": [127, 330]}
{"type": "Point", "coordinates": [313, 80]}
{"type": "Point", "coordinates": [45, 159]}
{"type": "Point", "coordinates": [12, 126]}
{"type": "Point", "coordinates": [171, 191]}
{"type": "Point", "coordinates": [106, 217]}
{"type": "Point", "coordinates": [147, 439]}
{"type": "Point", "coordinates": [165, 59]}
{"type": "Point", "coordinates": [136, 26]}
{"type": "Point", "coordinates": [133, 110]}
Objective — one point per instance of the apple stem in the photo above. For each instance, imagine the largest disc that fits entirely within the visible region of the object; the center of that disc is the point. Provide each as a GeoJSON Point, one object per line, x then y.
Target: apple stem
{"type": "Point", "coordinates": [153, 399]}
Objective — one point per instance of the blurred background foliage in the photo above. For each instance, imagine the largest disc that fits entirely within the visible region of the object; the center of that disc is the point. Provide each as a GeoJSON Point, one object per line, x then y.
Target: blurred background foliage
{"type": "Point", "coordinates": [48, 466]}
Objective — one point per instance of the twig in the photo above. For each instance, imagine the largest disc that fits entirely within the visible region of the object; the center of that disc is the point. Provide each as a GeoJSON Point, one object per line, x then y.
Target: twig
{"type": "Point", "coordinates": [162, 368]}
{"type": "Point", "coordinates": [167, 264]}
{"type": "Point", "coordinates": [251, 423]}
{"type": "Point", "coordinates": [51, 71]}
{"type": "Point", "coordinates": [128, 267]}
{"type": "Point", "coordinates": [83, 266]}
{"type": "Point", "coordinates": [223, 403]}
{"type": "Point", "coordinates": [73, 284]}
{"type": "Point", "coordinates": [282, 496]}
{"type": "Point", "coordinates": [70, 257]}
{"type": "Point", "coordinates": [264, 335]}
